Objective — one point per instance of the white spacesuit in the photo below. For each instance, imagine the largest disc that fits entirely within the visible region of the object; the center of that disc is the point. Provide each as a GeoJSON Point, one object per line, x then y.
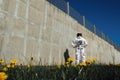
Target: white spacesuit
{"type": "Point", "coordinates": [79, 43]}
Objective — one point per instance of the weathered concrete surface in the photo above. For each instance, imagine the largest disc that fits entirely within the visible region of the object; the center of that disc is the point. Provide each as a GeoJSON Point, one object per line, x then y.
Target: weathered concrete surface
{"type": "Point", "coordinates": [37, 29]}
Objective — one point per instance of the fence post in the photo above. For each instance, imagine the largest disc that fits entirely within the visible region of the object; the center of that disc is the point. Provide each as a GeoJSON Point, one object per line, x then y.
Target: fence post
{"type": "Point", "coordinates": [84, 21]}
{"type": "Point", "coordinates": [94, 29]}
{"type": "Point", "coordinates": [68, 9]}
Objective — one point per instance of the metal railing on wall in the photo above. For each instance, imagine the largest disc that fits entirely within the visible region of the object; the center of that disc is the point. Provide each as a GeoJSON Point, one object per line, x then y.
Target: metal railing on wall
{"type": "Point", "coordinates": [63, 5]}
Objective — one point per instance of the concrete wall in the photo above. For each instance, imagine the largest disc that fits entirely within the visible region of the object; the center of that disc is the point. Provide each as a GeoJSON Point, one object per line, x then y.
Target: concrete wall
{"type": "Point", "coordinates": [36, 28]}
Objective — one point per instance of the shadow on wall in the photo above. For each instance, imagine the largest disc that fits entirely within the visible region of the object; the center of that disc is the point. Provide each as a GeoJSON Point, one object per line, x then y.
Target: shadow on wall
{"type": "Point", "coordinates": [66, 55]}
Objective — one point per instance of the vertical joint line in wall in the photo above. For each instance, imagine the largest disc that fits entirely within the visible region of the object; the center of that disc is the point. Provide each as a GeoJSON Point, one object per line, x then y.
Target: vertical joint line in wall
{"type": "Point", "coordinates": [50, 55]}
{"type": "Point", "coordinates": [26, 28]}
{"type": "Point", "coordinates": [27, 10]}
{"type": "Point", "coordinates": [16, 9]}
{"type": "Point", "coordinates": [60, 56]}
{"type": "Point", "coordinates": [43, 24]}
{"type": "Point", "coordinates": [40, 34]}
{"type": "Point", "coordinates": [39, 40]}
{"type": "Point", "coordinates": [59, 49]}
{"type": "Point", "coordinates": [45, 21]}
{"type": "Point", "coordinates": [51, 44]}
{"type": "Point", "coordinates": [4, 36]}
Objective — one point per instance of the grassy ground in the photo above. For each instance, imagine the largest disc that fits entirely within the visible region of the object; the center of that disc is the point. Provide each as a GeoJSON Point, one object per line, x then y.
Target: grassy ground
{"type": "Point", "coordinates": [63, 72]}
{"type": "Point", "coordinates": [84, 71]}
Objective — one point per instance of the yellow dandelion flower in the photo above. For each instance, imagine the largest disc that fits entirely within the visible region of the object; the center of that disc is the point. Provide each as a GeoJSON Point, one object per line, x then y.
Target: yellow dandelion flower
{"type": "Point", "coordinates": [82, 64]}
{"type": "Point", "coordinates": [88, 61]}
{"type": "Point", "coordinates": [13, 61]}
{"type": "Point", "coordinates": [58, 66]}
{"type": "Point", "coordinates": [67, 65]}
{"type": "Point", "coordinates": [5, 69]}
{"type": "Point", "coordinates": [8, 66]}
{"type": "Point", "coordinates": [94, 59]}
{"type": "Point", "coordinates": [28, 65]}
{"type": "Point", "coordinates": [12, 65]}
{"type": "Point", "coordinates": [3, 76]}
{"type": "Point", "coordinates": [71, 59]}
{"type": "Point", "coordinates": [2, 61]}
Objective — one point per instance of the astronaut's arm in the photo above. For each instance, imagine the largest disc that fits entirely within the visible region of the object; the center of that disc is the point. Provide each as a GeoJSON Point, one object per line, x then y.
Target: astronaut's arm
{"type": "Point", "coordinates": [73, 43]}
{"type": "Point", "coordinates": [85, 43]}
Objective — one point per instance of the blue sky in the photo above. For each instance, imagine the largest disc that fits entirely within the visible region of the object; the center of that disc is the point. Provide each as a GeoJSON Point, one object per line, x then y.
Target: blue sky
{"type": "Point", "coordinates": [105, 14]}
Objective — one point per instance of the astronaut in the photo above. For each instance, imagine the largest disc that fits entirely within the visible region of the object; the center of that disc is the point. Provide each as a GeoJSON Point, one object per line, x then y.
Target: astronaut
{"type": "Point", "coordinates": [79, 43]}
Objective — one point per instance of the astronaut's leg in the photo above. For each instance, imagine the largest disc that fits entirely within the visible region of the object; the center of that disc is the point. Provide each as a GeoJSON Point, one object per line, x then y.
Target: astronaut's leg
{"type": "Point", "coordinates": [83, 58]}
{"type": "Point", "coordinates": [77, 56]}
